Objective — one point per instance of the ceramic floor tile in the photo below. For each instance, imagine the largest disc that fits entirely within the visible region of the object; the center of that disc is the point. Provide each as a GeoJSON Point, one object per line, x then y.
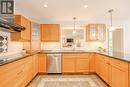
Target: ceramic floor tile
{"type": "Point", "coordinates": [67, 81]}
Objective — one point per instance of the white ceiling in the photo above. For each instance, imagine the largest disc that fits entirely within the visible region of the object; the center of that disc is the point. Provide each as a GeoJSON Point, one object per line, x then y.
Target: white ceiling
{"type": "Point", "coordinates": [65, 10]}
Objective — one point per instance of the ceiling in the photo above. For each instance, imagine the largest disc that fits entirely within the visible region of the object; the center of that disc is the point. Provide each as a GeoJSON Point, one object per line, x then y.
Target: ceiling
{"type": "Point", "coordinates": [65, 10]}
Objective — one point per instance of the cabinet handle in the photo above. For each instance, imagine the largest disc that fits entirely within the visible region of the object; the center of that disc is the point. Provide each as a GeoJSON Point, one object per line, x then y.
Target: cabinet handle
{"type": "Point", "coordinates": [108, 63]}
{"type": "Point", "coordinates": [19, 72]}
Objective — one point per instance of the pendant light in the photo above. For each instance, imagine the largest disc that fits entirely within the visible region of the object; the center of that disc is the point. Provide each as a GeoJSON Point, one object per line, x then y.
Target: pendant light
{"type": "Point", "coordinates": [74, 31]}
{"type": "Point", "coordinates": [111, 18]}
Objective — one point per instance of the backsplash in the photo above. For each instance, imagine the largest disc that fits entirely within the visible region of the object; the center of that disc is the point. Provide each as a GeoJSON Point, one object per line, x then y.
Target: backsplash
{"type": "Point", "coordinates": [3, 44]}
{"type": "Point", "coordinates": [9, 47]}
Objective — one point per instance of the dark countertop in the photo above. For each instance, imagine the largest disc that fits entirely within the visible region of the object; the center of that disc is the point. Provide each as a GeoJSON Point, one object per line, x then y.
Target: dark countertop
{"type": "Point", "coordinates": [116, 55]}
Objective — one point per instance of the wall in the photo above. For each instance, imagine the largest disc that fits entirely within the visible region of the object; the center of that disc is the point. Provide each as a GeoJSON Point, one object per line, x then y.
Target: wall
{"type": "Point", "coordinates": [13, 47]}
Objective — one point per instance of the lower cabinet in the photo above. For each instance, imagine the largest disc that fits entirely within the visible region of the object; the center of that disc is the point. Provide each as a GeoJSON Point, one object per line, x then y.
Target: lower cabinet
{"type": "Point", "coordinates": [75, 63]}
{"type": "Point", "coordinates": [19, 73]}
{"type": "Point", "coordinates": [42, 63]}
{"type": "Point", "coordinates": [129, 74]}
{"type": "Point", "coordinates": [35, 64]}
{"type": "Point", "coordinates": [16, 74]}
{"type": "Point", "coordinates": [119, 73]}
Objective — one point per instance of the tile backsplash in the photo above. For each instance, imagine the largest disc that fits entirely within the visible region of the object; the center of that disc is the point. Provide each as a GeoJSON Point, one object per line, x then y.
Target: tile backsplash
{"type": "Point", "coordinates": [10, 47]}
{"type": "Point", "coordinates": [3, 44]}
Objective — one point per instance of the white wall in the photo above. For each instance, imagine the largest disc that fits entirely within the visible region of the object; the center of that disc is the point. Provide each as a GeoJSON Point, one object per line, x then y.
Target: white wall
{"type": "Point", "coordinates": [13, 47]}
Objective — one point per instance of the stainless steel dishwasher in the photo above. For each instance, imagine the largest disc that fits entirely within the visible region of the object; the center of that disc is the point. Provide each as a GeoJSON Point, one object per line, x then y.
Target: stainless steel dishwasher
{"type": "Point", "coordinates": [54, 63]}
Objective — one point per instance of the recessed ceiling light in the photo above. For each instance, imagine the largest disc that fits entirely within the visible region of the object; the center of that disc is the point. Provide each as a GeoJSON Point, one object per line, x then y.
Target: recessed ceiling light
{"type": "Point", "coordinates": [85, 6]}
{"type": "Point", "coordinates": [45, 5]}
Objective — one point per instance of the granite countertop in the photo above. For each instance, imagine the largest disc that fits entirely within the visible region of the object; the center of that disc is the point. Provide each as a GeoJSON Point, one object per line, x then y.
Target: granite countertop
{"type": "Point", "coordinates": [12, 58]}
{"type": "Point", "coordinates": [116, 55]}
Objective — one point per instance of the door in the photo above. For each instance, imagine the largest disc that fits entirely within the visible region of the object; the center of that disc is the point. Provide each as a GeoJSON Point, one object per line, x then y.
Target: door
{"type": "Point", "coordinates": [119, 77]}
{"type": "Point", "coordinates": [68, 64]}
{"type": "Point", "coordinates": [82, 65]}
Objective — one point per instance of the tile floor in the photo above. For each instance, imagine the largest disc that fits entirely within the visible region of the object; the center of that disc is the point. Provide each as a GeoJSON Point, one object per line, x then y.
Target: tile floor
{"type": "Point", "coordinates": [67, 81]}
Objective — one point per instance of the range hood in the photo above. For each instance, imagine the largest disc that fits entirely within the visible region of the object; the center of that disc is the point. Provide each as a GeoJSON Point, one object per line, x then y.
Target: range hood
{"type": "Point", "coordinates": [10, 27]}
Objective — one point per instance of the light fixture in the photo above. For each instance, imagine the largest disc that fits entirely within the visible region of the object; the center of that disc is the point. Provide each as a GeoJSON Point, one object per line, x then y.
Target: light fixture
{"type": "Point", "coordinates": [111, 18]}
{"type": "Point", "coordinates": [45, 5]}
{"type": "Point", "coordinates": [85, 6]}
{"type": "Point", "coordinates": [74, 31]}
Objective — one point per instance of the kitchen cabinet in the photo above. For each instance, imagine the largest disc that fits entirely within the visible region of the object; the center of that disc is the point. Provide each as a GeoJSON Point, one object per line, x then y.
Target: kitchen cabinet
{"type": "Point", "coordinates": [68, 63]}
{"type": "Point", "coordinates": [92, 62]}
{"type": "Point", "coordinates": [42, 63]}
{"type": "Point", "coordinates": [16, 74]}
{"type": "Point", "coordinates": [24, 35]}
{"type": "Point", "coordinates": [75, 63]}
{"type": "Point", "coordinates": [35, 65]}
{"type": "Point", "coordinates": [105, 67]}
{"type": "Point", "coordinates": [96, 32]}
{"type": "Point", "coordinates": [129, 74]}
{"type": "Point", "coordinates": [97, 64]}
{"type": "Point", "coordinates": [119, 73]}
{"type": "Point", "coordinates": [50, 32]}
{"type": "Point", "coordinates": [82, 63]}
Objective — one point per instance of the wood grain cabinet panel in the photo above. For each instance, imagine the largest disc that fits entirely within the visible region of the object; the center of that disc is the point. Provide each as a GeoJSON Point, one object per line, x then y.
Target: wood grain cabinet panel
{"type": "Point", "coordinates": [82, 65]}
{"type": "Point", "coordinates": [50, 32]}
{"type": "Point", "coordinates": [75, 63]}
{"type": "Point", "coordinates": [16, 74]}
{"type": "Point", "coordinates": [68, 64]}
{"type": "Point", "coordinates": [129, 74]}
{"type": "Point", "coordinates": [24, 35]}
{"type": "Point", "coordinates": [96, 32]}
{"type": "Point", "coordinates": [42, 63]}
{"type": "Point", "coordinates": [119, 75]}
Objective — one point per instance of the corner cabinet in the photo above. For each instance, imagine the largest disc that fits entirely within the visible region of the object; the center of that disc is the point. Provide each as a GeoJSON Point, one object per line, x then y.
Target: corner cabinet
{"type": "Point", "coordinates": [24, 35]}
{"type": "Point", "coordinates": [119, 73]}
{"type": "Point", "coordinates": [50, 32]}
{"type": "Point", "coordinates": [96, 32]}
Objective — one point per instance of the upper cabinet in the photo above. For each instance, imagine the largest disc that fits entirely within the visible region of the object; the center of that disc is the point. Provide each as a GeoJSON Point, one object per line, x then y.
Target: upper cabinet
{"type": "Point", "coordinates": [96, 32]}
{"type": "Point", "coordinates": [50, 32]}
{"type": "Point", "coordinates": [24, 35]}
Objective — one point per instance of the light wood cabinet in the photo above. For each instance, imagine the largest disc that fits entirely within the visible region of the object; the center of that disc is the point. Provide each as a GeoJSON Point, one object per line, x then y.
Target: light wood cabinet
{"type": "Point", "coordinates": [42, 63]}
{"type": "Point", "coordinates": [24, 35]}
{"type": "Point", "coordinates": [35, 65]}
{"type": "Point", "coordinates": [92, 62]}
{"type": "Point", "coordinates": [50, 32]}
{"type": "Point", "coordinates": [75, 63]}
{"type": "Point", "coordinates": [119, 73]}
{"type": "Point", "coordinates": [82, 63]}
{"type": "Point", "coordinates": [16, 74]}
{"type": "Point", "coordinates": [96, 32]}
{"type": "Point", "coordinates": [68, 63]}
{"type": "Point", "coordinates": [129, 74]}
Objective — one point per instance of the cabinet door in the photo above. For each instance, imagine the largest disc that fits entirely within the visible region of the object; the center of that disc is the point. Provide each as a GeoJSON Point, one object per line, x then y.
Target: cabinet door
{"type": "Point", "coordinates": [119, 78]}
{"type": "Point", "coordinates": [129, 74]}
{"type": "Point", "coordinates": [104, 72]}
{"type": "Point", "coordinates": [68, 64]}
{"type": "Point", "coordinates": [82, 65]}
{"type": "Point", "coordinates": [35, 65]}
{"type": "Point", "coordinates": [50, 32]}
{"type": "Point", "coordinates": [24, 35]}
{"type": "Point", "coordinates": [91, 32]}
{"type": "Point", "coordinates": [119, 73]}
{"type": "Point", "coordinates": [101, 32]}
{"type": "Point", "coordinates": [97, 64]}
{"type": "Point", "coordinates": [92, 62]}
{"type": "Point", "coordinates": [42, 63]}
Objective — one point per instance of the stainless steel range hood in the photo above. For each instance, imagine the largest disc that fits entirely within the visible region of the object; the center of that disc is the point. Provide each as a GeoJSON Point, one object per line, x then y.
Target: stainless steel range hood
{"type": "Point", "coordinates": [10, 27]}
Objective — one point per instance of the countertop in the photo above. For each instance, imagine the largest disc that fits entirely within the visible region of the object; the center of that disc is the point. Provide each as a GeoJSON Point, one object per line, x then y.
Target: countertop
{"type": "Point", "coordinates": [116, 55]}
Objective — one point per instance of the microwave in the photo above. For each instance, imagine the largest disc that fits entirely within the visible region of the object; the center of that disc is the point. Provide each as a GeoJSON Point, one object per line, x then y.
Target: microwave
{"type": "Point", "coordinates": [69, 40]}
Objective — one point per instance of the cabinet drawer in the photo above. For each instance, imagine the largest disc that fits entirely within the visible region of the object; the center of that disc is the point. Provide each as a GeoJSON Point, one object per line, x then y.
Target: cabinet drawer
{"type": "Point", "coordinates": [119, 64]}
